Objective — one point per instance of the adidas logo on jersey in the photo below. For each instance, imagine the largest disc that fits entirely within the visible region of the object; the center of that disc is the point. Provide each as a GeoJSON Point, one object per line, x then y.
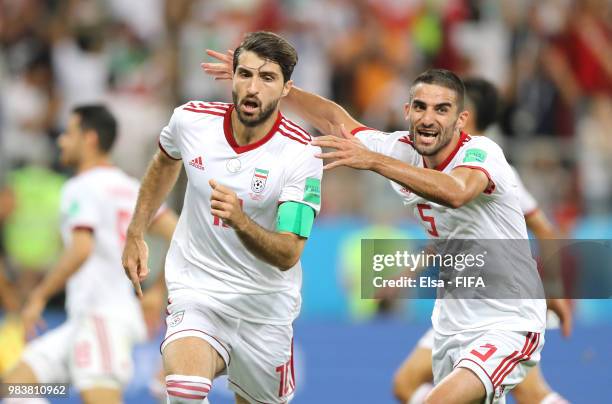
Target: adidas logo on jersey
{"type": "Point", "coordinates": [197, 163]}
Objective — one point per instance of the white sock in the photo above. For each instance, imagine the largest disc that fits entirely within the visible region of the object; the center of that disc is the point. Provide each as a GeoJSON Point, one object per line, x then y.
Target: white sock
{"type": "Point", "coordinates": [181, 389]}
{"type": "Point", "coordinates": [420, 393]}
{"type": "Point", "coordinates": [554, 398]}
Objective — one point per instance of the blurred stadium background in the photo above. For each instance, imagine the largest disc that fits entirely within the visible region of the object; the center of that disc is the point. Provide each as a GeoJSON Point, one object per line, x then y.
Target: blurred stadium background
{"type": "Point", "coordinates": [550, 59]}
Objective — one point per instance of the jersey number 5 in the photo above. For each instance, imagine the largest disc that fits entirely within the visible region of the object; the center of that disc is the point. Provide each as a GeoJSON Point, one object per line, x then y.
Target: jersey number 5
{"type": "Point", "coordinates": [429, 219]}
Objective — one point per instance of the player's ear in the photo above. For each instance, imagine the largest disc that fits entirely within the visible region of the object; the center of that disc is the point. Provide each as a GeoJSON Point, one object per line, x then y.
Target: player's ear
{"type": "Point", "coordinates": [406, 110]}
{"type": "Point", "coordinates": [463, 119]}
{"type": "Point", "coordinates": [286, 88]}
{"type": "Point", "coordinates": [91, 138]}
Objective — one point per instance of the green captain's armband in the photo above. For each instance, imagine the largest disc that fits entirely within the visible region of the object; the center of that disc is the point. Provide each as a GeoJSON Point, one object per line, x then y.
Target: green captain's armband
{"type": "Point", "coordinates": [295, 217]}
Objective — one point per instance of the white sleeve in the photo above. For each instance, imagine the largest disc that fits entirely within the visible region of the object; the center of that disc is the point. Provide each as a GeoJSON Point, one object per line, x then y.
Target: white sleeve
{"type": "Point", "coordinates": [82, 209]}
{"type": "Point", "coordinates": [487, 157]}
{"type": "Point", "coordinates": [526, 200]}
{"type": "Point", "coordinates": [303, 179]}
{"type": "Point", "coordinates": [373, 139]}
{"type": "Point", "coordinates": [169, 138]}
{"type": "Point", "coordinates": [398, 145]}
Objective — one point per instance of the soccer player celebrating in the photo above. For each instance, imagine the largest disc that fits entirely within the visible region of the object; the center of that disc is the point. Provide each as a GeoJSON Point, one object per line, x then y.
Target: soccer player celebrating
{"type": "Point", "coordinates": [93, 349]}
{"type": "Point", "coordinates": [413, 380]}
{"type": "Point", "coordinates": [233, 272]}
{"type": "Point", "coordinates": [461, 187]}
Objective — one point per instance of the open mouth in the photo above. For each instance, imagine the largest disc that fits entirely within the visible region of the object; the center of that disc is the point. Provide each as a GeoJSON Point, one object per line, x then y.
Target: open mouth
{"type": "Point", "coordinates": [427, 136]}
{"type": "Point", "coordinates": [249, 106]}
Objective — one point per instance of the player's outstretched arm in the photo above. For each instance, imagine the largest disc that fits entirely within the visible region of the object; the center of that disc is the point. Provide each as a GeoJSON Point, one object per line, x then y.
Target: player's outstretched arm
{"type": "Point", "coordinates": [70, 261]}
{"type": "Point", "coordinates": [453, 190]}
{"type": "Point", "coordinates": [153, 300]}
{"type": "Point", "coordinates": [281, 249]}
{"type": "Point", "coordinates": [321, 113]}
{"type": "Point", "coordinates": [159, 179]}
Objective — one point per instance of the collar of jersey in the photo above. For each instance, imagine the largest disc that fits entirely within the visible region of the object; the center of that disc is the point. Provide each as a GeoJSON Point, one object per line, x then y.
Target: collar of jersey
{"type": "Point", "coordinates": [229, 134]}
{"type": "Point", "coordinates": [464, 137]}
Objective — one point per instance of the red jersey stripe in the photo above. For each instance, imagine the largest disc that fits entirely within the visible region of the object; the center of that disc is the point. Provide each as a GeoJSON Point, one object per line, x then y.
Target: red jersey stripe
{"type": "Point", "coordinates": [306, 138]}
{"type": "Point", "coordinates": [204, 111]}
{"type": "Point", "coordinates": [297, 128]}
{"type": "Point", "coordinates": [359, 129]}
{"type": "Point", "coordinates": [290, 135]}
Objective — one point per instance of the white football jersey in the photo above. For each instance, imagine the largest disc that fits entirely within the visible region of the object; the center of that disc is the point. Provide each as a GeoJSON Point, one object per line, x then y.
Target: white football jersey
{"type": "Point", "coordinates": [102, 200]}
{"type": "Point", "coordinates": [495, 214]}
{"type": "Point", "coordinates": [207, 256]}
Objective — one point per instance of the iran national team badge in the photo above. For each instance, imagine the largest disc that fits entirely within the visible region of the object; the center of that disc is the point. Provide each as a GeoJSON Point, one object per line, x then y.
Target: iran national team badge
{"type": "Point", "coordinates": [258, 183]}
{"type": "Point", "coordinates": [176, 318]}
{"type": "Point", "coordinates": [233, 165]}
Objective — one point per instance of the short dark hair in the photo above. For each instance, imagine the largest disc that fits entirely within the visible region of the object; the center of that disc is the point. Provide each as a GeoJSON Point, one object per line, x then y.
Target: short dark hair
{"type": "Point", "coordinates": [269, 46]}
{"type": "Point", "coordinates": [98, 118]}
{"type": "Point", "coordinates": [483, 95]}
{"type": "Point", "coordinates": [444, 78]}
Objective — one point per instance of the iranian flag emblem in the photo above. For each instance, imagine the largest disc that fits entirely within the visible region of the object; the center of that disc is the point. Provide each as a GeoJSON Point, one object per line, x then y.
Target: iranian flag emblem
{"type": "Point", "coordinates": [259, 180]}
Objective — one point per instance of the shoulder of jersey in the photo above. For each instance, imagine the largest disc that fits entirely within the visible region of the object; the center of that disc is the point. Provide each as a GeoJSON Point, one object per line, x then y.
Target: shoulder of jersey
{"type": "Point", "coordinates": [402, 136]}
{"type": "Point", "coordinates": [482, 141]}
{"type": "Point", "coordinates": [81, 184]}
{"type": "Point", "coordinates": [204, 108]}
{"type": "Point", "coordinates": [292, 133]}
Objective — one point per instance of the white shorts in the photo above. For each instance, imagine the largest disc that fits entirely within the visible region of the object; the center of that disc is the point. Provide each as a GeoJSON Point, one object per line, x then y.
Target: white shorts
{"type": "Point", "coordinates": [500, 359]}
{"type": "Point", "coordinates": [92, 351]}
{"type": "Point", "coordinates": [258, 357]}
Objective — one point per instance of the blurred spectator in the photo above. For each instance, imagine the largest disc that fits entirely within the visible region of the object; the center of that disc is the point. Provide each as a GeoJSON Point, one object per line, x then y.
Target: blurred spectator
{"type": "Point", "coordinates": [81, 60]}
{"type": "Point", "coordinates": [595, 155]}
{"type": "Point", "coordinates": [28, 115]}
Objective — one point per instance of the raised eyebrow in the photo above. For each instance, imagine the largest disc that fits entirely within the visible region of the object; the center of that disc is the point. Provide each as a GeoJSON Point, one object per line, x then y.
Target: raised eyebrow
{"type": "Point", "coordinates": [267, 72]}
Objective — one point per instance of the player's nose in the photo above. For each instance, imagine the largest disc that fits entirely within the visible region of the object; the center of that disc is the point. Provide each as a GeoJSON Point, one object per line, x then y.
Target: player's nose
{"type": "Point", "coordinates": [428, 118]}
{"type": "Point", "coordinates": [253, 87]}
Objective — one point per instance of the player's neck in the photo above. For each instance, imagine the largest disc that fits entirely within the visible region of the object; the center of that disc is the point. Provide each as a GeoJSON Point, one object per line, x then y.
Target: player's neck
{"type": "Point", "coordinates": [245, 135]}
{"type": "Point", "coordinates": [90, 162]}
{"type": "Point", "coordinates": [442, 155]}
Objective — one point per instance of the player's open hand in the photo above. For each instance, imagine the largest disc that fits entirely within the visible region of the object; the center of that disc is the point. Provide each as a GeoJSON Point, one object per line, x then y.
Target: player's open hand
{"type": "Point", "coordinates": [135, 260]}
{"type": "Point", "coordinates": [225, 204]}
{"type": "Point", "coordinates": [349, 151]}
{"type": "Point", "coordinates": [223, 69]}
{"type": "Point", "coordinates": [31, 315]}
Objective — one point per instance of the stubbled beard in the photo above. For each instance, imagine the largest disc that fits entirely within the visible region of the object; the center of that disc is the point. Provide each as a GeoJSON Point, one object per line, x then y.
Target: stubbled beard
{"type": "Point", "coordinates": [266, 112]}
{"type": "Point", "coordinates": [443, 139]}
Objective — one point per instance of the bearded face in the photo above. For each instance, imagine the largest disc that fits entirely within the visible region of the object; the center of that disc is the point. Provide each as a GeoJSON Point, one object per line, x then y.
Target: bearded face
{"type": "Point", "coordinates": [433, 117]}
{"type": "Point", "coordinates": [257, 88]}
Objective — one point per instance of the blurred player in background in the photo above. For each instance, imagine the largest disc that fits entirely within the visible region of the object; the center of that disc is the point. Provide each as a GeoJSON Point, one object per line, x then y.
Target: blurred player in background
{"type": "Point", "coordinates": [469, 194]}
{"type": "Point", "coordinates": [93, 349]}
{"type": "Point", "coordinates": [233, 270]}
{"type": "Point", "coordinates": [414, 379]}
